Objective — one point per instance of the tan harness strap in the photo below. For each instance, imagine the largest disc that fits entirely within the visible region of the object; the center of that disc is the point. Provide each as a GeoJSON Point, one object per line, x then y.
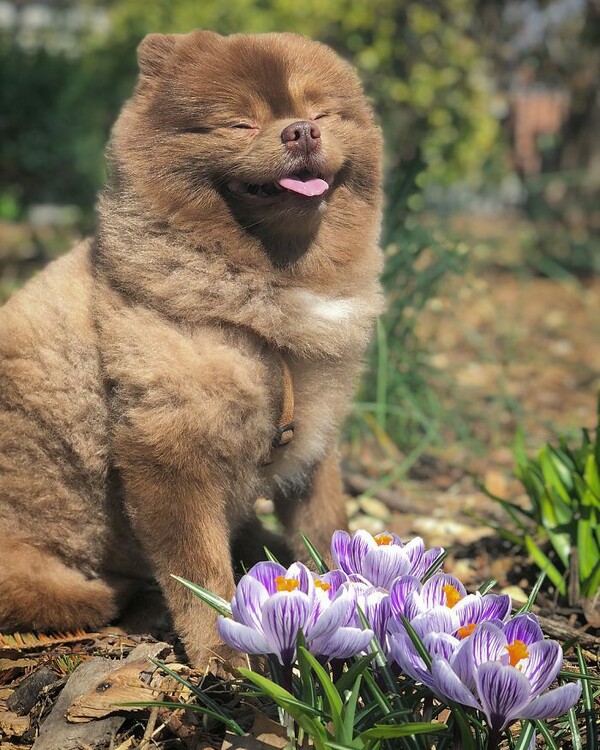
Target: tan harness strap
{"type": "Point", "coordinates": [285, 427]}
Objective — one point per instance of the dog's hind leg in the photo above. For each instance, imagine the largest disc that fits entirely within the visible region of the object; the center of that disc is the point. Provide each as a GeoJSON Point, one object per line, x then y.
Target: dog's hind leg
{"type": "Point", "coordinates": [39, 592]}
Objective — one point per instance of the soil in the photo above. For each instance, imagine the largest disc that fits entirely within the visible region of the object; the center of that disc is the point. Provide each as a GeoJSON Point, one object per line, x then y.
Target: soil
{"type": "Point", "coordinates": [512, 350]}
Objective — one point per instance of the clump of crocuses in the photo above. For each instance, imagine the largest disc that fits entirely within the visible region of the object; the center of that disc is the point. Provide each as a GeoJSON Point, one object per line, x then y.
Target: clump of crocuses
{"type": "Point", "coordinates": [499, 668]}
{"type": "Point", "coordinates": [478, 656]}
{"type": "Point", "coordinates": [272, 606]}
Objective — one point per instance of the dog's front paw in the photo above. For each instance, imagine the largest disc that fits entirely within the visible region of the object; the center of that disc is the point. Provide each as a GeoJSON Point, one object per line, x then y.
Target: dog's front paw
{"type": "Point", "coordinates": [220, 660]}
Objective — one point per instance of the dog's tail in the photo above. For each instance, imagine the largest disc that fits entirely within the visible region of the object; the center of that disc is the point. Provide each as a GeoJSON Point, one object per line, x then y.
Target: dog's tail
{"type": "Point", "coordinates": [39, 592]}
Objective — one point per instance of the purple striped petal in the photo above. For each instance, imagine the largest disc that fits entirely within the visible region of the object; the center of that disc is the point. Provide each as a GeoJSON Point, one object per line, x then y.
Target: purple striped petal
{"type": "Point", "coordinates": [384, 564]}
{"type": "Point", "coordinates": [284, 614]}
{"type": "Point", "coordinates": [543, 664]}
{"type": "Point", "coordinates": [503, 691]}
{"type": "Point", "coordinates": [441, 645]}
{"type": "Point", "coordinates": [400, 590]}
{"type": "Point", "coordinates": [554, 703]}
{"type": "Point", "coordinates": [302, 574]}
{"type": "Point", "coordinates": [333, 616]}
{"type": "Point", "coordinates": [266, 573]}
{"type": "Point", "coordinates": [433, 590]}
{"type": "Point", "coordinates": [414, 605]}
{"type": "Point", "coordinates": [340, 550]}
{"type": "Point", "coordinates": [462, 664]}
{"type": "Point", "coordinates": [250, 597]}
{"type": "Point", "coordinates": [468, 609]}
{"type": "Point", "coordinates": [415, 550]}
{"type": "Point", "coordinates": [403, 652]}
{"type": "Point", "coordinates": [430, 556]}
{"type": "Point", "coordinates": [487, 643]}
{"type": "Point", "coordinates": [436, 620]}
{"type": "Point", "coordinates": [241, 637]}
{"type": "Point", "coordinates": [495, 607]}
{"type": "Point", "coordinates": [375, 604]}
{"type": "Point", "coordinates": [361, 543]}
{"type": "Point", "coordinates": [342, 643]}
{"type": "Point", "coordinates": [524, 628]}
{"type": "Point", "coordinates": [335, 579]}
{"type": "Point", "coordinates": [448, 685]}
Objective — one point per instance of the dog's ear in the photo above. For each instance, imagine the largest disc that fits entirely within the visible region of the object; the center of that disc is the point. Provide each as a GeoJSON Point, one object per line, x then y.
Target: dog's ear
{"type": "Point", "coordinates": [153, 51]}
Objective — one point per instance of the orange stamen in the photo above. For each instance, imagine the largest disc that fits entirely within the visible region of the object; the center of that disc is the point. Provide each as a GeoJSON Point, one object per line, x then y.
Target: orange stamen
{"type": "Point", "coordinates": [466, 630]}
{"type": "Point", "coordinates": [452, 595]}
{"type": "Point", "coordinates": [322, 585]}
{"type": "Point", "coordinates": [286, 584]}
{"type": "Point", "coordinates": [384, 539]}
{"type": "Point", "coordinates": [517, 650]}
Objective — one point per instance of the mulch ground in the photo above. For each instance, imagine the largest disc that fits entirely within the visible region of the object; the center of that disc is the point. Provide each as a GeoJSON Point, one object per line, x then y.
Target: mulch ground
{"type": "Point", "coordinates": [511, 351]}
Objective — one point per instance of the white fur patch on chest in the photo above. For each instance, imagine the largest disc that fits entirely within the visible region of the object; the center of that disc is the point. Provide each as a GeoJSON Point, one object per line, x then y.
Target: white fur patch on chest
{"type": "Point", "coordinates": [331, 309]}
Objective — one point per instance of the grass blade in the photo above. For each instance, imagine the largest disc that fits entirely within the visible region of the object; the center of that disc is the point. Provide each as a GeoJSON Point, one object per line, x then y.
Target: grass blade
{"type": "Point", "coordinates": [309, 693]}
{"type": "Point", "coordinates": [587, 698]}
{"type": "Point", "coordinates": [270, 556]}
{"type": "Point", "coordinates": [315, 555]}
{"type": "Point", "coordinates": [544, 563]}
{"type": "Point", "coordinates": [542, 728]}
{"type": "Point", "coordinates": [417, 642]}
{"type": "Point", "coordinates": [525, 737]}
{"type": "Point", "coordinates": [391, 731]}
{"type": "Point", "coordinates": [435, 565]}
{"type": "Point", "coordinates": [380, 658]}
{"type": "Point", "coordinates": [533, 596]}
{"type": "Point", "coordinates": [348, 678]}
{"type": "Point", "coordinates": [201, 696]}
{"type": "Point", "coordinates": [487, 586]}
{"type": "Point", "coordinates": [300, 712]}
{"type": "Point", "coordinates": [350, 710]}
{"type": "Point", "coordinates": [195, 708]}
{"type": "Point", "coordinates": [334, 699]}
{"type": "Point", "coordinates": [222, 606]}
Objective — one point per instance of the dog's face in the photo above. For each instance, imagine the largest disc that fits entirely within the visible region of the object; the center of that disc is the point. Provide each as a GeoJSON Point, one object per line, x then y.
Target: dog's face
{"type": "Point", "coordinates": [270, 126]}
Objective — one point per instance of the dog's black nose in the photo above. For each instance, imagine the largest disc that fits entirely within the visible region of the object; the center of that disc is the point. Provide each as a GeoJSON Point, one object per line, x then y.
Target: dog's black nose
{"type": "Point", "coordinates": [303, 135]}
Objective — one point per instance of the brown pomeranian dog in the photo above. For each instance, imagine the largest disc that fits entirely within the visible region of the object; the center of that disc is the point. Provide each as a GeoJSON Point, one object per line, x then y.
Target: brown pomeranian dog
{"type": "Point", "coordinates": [202, 349]}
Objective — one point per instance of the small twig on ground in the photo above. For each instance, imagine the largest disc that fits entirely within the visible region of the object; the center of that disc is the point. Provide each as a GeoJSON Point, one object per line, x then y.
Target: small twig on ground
{"type": "Point", "coordinates": [150, 726]}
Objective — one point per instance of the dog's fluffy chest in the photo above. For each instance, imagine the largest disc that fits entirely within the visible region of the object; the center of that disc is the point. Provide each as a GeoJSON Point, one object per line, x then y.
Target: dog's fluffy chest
{"type": "Point", "coordinates": [321, 398]}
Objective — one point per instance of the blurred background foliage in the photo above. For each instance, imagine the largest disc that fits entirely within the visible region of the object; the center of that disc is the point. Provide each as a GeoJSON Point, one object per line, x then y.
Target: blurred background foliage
{"type": "Point", "coordinates": [486, 107]}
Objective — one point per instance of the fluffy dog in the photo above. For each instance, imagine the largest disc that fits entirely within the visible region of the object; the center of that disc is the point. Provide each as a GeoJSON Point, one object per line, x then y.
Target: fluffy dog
{"type": "Point", "coordinates": [143, 375]}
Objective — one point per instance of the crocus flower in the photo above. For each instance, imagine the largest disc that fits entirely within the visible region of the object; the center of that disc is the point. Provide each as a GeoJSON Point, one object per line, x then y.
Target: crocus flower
{"type": "Point", "coordinates": [381, 558]}
{"type": "Point", "coordinates": [503, 670]}
{"type": "Point", "coordinates": [272, 605]}
{"type": "Point", "coordinates": [375, 605]}
{"type": "Point", "coordinates": [461, 612]}
{"type": "Point", "coordinates": [434, 629]}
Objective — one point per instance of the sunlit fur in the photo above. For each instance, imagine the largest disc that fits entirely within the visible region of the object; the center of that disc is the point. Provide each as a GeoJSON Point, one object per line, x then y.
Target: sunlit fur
{"type": "Point", "coordinates": [140, 374]}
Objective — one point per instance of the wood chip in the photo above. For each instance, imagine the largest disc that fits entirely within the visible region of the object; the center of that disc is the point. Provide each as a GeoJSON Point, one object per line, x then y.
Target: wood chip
{"type": "Point", "coordinates": [12, 725]}
{"type": "Point", "coordinates": [26, 695]}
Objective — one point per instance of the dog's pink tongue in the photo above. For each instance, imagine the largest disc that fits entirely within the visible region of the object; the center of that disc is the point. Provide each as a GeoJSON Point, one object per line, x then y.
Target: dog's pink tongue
{"type": "Point", "coordinates": [311, 187]}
